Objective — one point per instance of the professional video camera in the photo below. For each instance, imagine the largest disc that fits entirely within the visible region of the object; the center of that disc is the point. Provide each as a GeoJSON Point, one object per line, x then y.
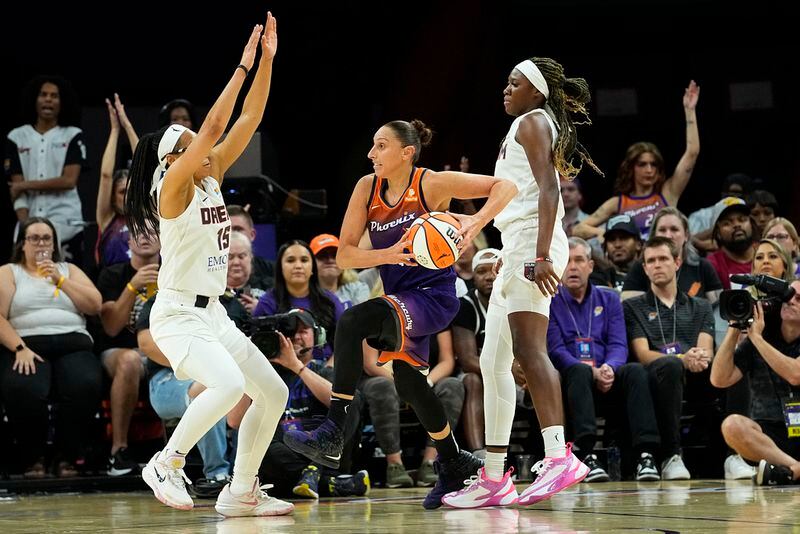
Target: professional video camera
{"type": "Point", "coordinates": [264, 330]}
{"type": "Point", "coordinates": [736, 305]}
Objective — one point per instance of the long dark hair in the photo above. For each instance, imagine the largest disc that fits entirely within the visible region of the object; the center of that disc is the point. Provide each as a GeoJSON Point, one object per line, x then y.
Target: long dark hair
{"type": "Point", "coordinates": [625, 182]}
{"type": "Point", "coordinates": [321, 306]}
{"type": "Point", "coordinates": [70, 111]}
{"type": "Point", "coordinates": [18, 255]}
{"type": "Point", "coordinates": [141, 211]}
{"type": "Point", "coordinates": [567, 95]}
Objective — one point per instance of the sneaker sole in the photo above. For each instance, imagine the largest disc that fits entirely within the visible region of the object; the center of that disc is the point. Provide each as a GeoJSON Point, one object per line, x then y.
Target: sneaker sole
{"type": "Point", "coordinates": [236, 512]}
{"type": "Point", "coordinates": [762, 466]}
{"type": "Point", "coordinates": [113, 472]}
{"type": "Point", "coordinates": [304, 490]}
{"type": "Point", "coordinates": [309, 452]}
{"type": "Point", "coordinates": [534, 500]}
{"type": "Point", "coordinates": [153, 483]}
{"type": "Point", "coordinates": [648, 478]}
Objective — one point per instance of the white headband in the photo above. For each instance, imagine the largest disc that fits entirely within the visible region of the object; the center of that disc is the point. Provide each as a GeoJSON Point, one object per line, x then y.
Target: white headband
{"type": "Point", "coordinates": [492, 255]}
{"type": "Point", "coordinates": [166, 146]}
{"type": "Point", "coordinates": [534, 75]}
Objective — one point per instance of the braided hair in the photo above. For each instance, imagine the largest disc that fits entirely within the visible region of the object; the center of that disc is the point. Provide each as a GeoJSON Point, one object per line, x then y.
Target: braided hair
{"type": "Point", "coordinates": [567, 95]}
{"type": "Point", "coordinates": [141, 211]}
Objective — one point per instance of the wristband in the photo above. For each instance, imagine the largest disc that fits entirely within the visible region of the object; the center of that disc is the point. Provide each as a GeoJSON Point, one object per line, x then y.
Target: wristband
{"type": "Point", "coordinates": [245, 69]}
{"type": "Point", "coordinates": [543, 258]}
{"type": "Point", "coordinates": [301, 370]}
{"type": "Point", "coordinates": [60, 282]}
{"type": "Point", "coordinates": [132, 289]}
{"type": "Point", "coordinates": [20, 347]}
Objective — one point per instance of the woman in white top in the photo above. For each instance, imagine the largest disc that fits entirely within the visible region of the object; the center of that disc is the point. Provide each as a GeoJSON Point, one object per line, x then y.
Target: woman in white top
{"type": "Point", "coordinates": [175, 187]}
{"type": "Point", "coordinates": [47, 355]}
{"type": "Point", "coordinates": [538, 148]}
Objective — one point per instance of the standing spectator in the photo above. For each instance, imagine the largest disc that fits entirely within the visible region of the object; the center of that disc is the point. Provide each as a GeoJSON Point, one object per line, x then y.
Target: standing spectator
{"type": "Point", "coordinates": [763, 206]}
{"type": "Point", "coordinates": [263, 274]}
{"type": "Point", "coordinates": [622, 245]}
{"type": "Point", "coordinates": [573, 201]}
{"type": "Point", "coordinates": [642, 185]}
{"type": "Point", "coordinates": [178, 111]}
{"type": "Point", "coordinates": [587, 345]}
{"type": "Point", "coordinates": [44, 161]}
{"type": "Point", "coordinates": [783, 231]}
{"type": "Point", "coordinates": [125, 287]}
{"type": "Point", "coordinates": [669, 333]}
{"type": "Point", "coordinates": [701, 222]}
{"type": "Point", "coordinates": [112, 243]}
{"type": "Point", "coordinates": [734, 234]}
{"type": "Point", "coordinates": [47, 352]}
{"type": "Point", "coordinates": [696, 276]}
{"type": "Point", "coordinates": [343, 282]}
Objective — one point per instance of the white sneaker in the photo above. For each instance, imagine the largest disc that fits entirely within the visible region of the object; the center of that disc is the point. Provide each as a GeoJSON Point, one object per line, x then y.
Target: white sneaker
{"type": "Point", "coordinates": [673, 469]}
{"type": "Point", "coordinates": [254, 503]}
{"type": "Point", "coordinates": [168, 482]}
{"type": "Point", "coordinates": [737, 469]}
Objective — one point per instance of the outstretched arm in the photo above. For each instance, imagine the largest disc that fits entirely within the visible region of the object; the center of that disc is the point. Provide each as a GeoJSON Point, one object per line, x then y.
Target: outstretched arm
{"type": "Point", "coordinates": [229, 150]}
{"type": "Point", "coordinates": [178, 188]}
{"type": "Point", "coordinates": [104, 212]}
{"type": "Point", "coordinates": [674, 186]}
{"type": "Point", "coordinates": [125, 123]}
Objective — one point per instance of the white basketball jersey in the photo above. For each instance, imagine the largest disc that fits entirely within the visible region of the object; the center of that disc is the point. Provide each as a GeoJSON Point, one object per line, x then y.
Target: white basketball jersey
{"type": "Point", "coordinates": [512, 164]}
{"type": "Point", "coordinates": [194, 245]}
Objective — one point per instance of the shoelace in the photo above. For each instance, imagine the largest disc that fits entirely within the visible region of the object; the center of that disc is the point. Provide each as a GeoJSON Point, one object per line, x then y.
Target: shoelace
{"type": "Point", "coordinates": [472, 481]}
{"type": "Point", "coordinates": [178, 478]}
{"type": "Point", "coordinates": [541, 466]}
{"type": "Point", "coordinates": [260, 492]}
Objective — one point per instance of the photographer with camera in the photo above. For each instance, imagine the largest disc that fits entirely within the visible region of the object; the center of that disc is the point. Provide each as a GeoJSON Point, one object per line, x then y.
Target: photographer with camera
{"type": "Point", "coordinates": [288, 340]}
{"type": "Point", "coordinates": [670, 333]}
{"type": "Point", "coordinates": [769, 357]}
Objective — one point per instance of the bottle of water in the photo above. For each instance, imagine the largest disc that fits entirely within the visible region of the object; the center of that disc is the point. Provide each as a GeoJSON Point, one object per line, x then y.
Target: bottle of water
{"type": "Point", "coordinates": [613, 461]}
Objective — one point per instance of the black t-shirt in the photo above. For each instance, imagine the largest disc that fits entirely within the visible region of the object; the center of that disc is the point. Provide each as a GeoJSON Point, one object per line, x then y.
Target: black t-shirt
{"type": "Point", "coordinates": [607, 277]}
{"type": "Point", "coordinates": [694, 280]}
{"type": "Point", "coordinates": [471, 316]}
{"type": "Point", "coordinates": [767, 389]}
{"type": "Point", "coordinates": [111, 282]}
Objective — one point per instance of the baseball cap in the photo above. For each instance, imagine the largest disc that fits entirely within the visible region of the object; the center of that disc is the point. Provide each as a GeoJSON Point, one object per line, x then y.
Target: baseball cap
{"type": "Point", "coordinates": [323, 241]}
{"type": "Point", "coordinates": [729, 204]}
{"type": "Point", "coordinates": [623, 223]}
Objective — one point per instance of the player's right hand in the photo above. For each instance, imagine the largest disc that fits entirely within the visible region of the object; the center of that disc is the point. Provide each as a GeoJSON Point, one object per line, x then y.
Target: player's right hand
{"type": "Point", "coordinates": [400, 253]}
{"type": "Point", "coordinates": [249, 54]}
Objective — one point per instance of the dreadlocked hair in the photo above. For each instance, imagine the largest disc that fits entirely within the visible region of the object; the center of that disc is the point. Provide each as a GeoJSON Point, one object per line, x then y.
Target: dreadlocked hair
{"type": "Point", "coordinates": [567, 95]}
{"type": "Point", "coordinates": [141, 211]}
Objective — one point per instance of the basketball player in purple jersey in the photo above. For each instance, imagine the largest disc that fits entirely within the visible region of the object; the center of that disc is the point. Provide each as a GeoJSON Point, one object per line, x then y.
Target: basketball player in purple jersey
{"type": "Point", "coordinates": [418, 302]}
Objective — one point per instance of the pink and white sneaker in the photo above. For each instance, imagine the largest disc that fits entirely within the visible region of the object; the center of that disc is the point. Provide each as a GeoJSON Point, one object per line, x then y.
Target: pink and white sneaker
{"type": "Point", "coordinates": [555, 474]}
{"type": "Point", "coordinates": [482, 491]}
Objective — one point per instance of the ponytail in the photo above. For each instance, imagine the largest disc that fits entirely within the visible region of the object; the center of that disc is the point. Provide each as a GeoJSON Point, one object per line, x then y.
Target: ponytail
{"type": "Point", "coordinates": [141, 210]}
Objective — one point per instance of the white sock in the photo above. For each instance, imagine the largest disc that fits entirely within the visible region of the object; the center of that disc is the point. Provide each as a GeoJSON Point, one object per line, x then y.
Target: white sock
{"type": "Point", "coordinates": [241, 485]}
{"type": "Point", "coordinates": [495, 465]}
{"type": "Point", "coordinates": [554, 446]}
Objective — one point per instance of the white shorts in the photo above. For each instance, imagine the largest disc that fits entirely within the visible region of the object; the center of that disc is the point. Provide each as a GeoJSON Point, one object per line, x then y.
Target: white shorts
{"type": "Point", "coordinates": [512, 290]}
{"type": "Point", "coordinates": [179, 327]}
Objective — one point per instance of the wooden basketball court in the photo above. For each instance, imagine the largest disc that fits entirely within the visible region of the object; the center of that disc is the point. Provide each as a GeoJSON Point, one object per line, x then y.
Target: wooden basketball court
{"type": "Point", "coordinates": [697, 506]}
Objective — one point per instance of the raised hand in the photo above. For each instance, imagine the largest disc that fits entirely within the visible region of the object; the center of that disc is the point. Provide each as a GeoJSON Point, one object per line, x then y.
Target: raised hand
{"type": "Point", "coordinates": [112, 116]}
{"type": "Point", "coordinates": [269, 41]}
{"type": "Point", "coordinates": [249, 53]}
{"type": "Point", "coordinates": [120, 108]}
{"type": "Point", "coordinates": [691, 95]}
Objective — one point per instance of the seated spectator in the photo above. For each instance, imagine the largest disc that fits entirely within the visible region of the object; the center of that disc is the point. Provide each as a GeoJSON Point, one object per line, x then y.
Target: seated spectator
{"type": "Point", "coordinates": [622, 246]}
{"type": "Point", "coordinates": [112, 242]}
{"type": "Point", "coordinates": [170, 397]}
{"type": "Point", "coordinates": [344, 283]}
{"type": "Point", "coordinates": [763, 207]}
{"type": "Point", "coordinates": [309, 383]}
{"type": "Point", "coordinates": [783, 231]}
{"type": "Point", "coordinates": [463, 266]}
{"type": "Point", "coordinates": [769, 357]}
{"type": "Point", "coordinates": [240, 269]}
{"type": "Point", "coordinates": [263, 275]}
{"type": "Point", "coordinates": [642, 184]}
{"type": "Point", "coordinates": [572, 197]}
{"type": "Point", "coordinates": [669, 333]}
{"type": "Point", "coordinates": [125, 287]}
{"type": "Point", "coordinates": [468, 332]}
{"type": "Point", "coordinates": [701, 222]}
{"type": "Point", "coordinates": [587, 345]}
{"type": "Point", "coordinates": [734, 234]}
{"type": "Point", "coordinates": [772, 260]}
{"type": "Point", "coordinates": [696, 276]}
{"type": "Point", "coordinates": [297, 286]}
{"type": "Point", "coordinates": [47, 357]}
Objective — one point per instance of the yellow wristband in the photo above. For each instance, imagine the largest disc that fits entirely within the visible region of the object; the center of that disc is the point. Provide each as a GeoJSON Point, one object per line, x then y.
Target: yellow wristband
{"type": "Point", "coordinates": [132, 289]}
{"type": "Point", "coordinates": [681, 355]}
{"type": "Point", "coordinates": [60, 282]}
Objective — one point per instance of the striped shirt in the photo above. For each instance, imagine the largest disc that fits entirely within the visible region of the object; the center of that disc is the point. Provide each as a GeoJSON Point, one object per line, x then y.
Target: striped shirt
{"type": "Point", "coordinates": [690, 316]}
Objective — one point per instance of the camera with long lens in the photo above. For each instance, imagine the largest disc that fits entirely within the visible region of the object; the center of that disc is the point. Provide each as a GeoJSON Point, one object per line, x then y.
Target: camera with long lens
{"type": "Point", "coordinates": [736, 305]}
{"type": "Point", "coordinates": [264, 330]}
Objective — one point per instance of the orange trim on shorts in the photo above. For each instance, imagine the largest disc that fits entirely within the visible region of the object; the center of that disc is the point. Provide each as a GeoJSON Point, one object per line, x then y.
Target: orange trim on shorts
{"type": "Point", "coordinates": [402, 318]}
{"type": "Point", "coordinates": [386, 357]}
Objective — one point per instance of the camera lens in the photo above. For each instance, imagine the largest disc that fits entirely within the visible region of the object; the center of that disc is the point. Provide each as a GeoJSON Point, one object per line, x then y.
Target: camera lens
{"type": "Point", "coordinates": [736, 305]}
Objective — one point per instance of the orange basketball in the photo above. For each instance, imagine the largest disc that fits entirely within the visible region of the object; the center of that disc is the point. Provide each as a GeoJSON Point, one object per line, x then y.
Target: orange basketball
{"type": "Point", "coordinates": [434, 240]}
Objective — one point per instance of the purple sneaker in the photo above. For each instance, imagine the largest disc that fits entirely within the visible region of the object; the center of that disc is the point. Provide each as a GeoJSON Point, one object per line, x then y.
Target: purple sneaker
{"type": "Point", "coordinates": [555, 474]}
{"type": "Point", "coordinates": [483, 491]}
{"type": "Point", "coordinates": [322, 445]}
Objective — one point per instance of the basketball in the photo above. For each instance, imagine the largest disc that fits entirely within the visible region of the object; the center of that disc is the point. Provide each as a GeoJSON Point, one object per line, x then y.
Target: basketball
{"type": "Point", "coordinates": [434, 240]}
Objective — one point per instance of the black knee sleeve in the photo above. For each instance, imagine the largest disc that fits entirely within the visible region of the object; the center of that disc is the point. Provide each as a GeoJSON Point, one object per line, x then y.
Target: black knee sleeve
{"type": "Point", "coordinates": [413, 388]}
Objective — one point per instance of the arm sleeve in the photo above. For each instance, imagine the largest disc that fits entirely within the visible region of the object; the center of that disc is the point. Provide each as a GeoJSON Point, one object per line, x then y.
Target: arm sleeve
{"type": "Point", "coordinates": [11, 162]}
{"type": "Point", "coordinates": [76, 151]}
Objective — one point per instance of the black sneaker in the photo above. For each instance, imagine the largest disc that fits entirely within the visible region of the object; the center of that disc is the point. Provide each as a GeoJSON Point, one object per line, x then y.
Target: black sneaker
{"type": "Point", "coordinates": [208, 488]}
{"type": "Point", "coordinates": [773, 475]}
{"type": "Point", "coordinates": [322, 446]}
{"type": "Point", "coordinates": [646, 470]}
{"type": "Point", "coordinates": [121, 464]}
{"type": "Point", "coordinates": [349, 485]}
{"type": "Point", "coordinates": [596, 472]}
{"type": "Point", "coordinates": [452, 475]}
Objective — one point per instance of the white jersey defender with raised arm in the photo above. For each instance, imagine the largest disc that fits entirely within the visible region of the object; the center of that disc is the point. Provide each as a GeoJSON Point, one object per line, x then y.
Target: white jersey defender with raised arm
{"type": "Point", "coordinates": [195, 244]}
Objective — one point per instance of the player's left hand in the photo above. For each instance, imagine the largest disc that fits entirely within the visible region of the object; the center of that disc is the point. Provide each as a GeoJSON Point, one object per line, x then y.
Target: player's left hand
{"type": "Point", "coordinates": [470, 228]}
{"type": "Point", "coordinates": [546, 278]}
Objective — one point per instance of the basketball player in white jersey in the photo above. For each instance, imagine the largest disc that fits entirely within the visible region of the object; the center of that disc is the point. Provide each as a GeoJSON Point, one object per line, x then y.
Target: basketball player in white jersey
{"type": "Point", "coordinates": [538, 148]}
{"type": "Point", "coordinates": [175, 186]}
